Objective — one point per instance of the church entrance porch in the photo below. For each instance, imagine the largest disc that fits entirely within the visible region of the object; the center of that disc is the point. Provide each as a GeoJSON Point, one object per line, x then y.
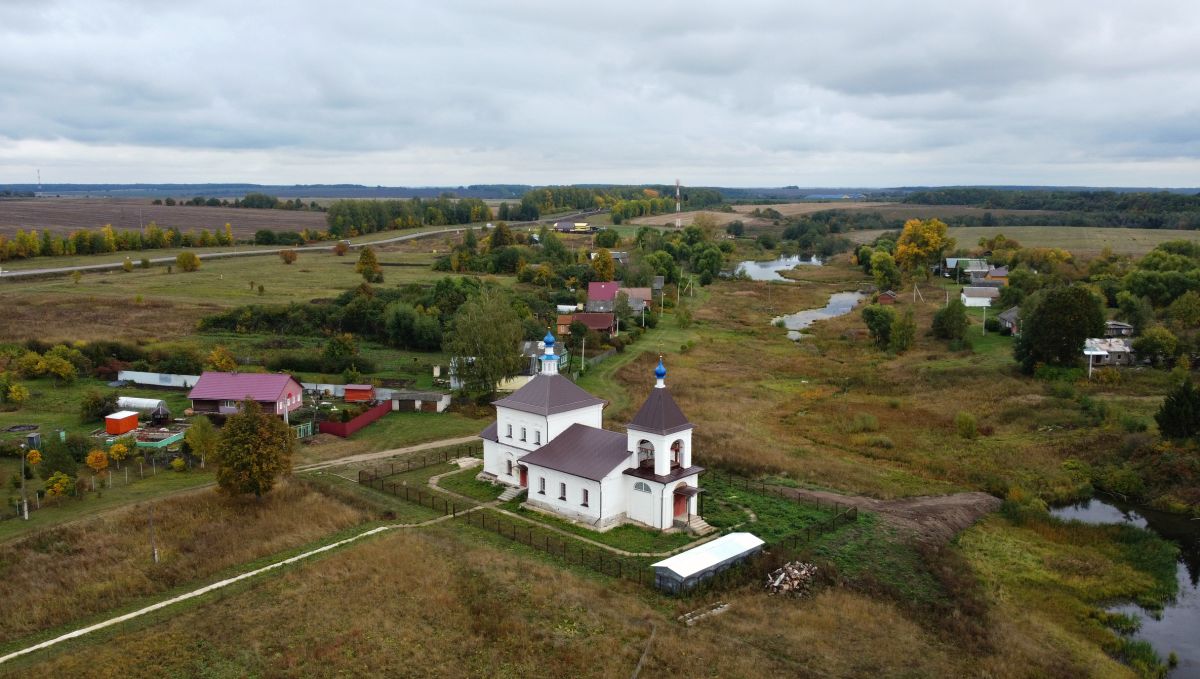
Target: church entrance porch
{"type": "Point", "coordinates": [683, 496]}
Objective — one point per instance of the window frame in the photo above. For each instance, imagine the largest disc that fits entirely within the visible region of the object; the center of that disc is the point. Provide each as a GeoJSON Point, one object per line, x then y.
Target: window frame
{"type": "Point", "coordinates": [541, 485]}
{"type": "Point", "coordinates": [523, 433]}
{"type": "Point", "coordinates": [562, 491]}
{"type": "Point", "coordinates": [584, 497]}
{"type": "Point", "coordinates": [509, 434]}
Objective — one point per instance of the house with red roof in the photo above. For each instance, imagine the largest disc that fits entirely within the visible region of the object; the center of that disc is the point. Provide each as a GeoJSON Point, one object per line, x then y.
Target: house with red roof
{"type": "Point", "coordinates": [548, 439]}
{"type": "Point", "coordinates": [221, 393]}
{"type": "Point", "coordinates": [603, 292]}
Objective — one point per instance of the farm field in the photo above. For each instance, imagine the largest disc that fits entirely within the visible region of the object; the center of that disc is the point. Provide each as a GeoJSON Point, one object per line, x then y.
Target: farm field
{"type": "Point", "coordinates": [154, 304]}
{"type": "Point", "coordinates": [1081, 241]}
{"type": "Point", "coordinates": [61, 215]}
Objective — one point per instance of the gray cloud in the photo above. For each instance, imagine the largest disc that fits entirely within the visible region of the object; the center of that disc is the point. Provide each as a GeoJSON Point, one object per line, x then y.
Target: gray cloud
{"type": "Point", "coordinates": [753, 93]}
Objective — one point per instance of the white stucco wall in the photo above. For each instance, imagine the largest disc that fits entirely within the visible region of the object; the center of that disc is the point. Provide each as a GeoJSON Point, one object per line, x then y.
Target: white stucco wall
{"type": "Point", "coordinates": [495, 461]}
{"type": "Point", "coordinates": [571, 507]}
{"type": "Point", "coordinates": [535, 426]}
{"type": "Point", "coordinates": [591, 416]}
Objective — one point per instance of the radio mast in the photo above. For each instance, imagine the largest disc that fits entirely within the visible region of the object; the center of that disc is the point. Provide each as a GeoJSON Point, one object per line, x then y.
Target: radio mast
{"type": "Point", "coordinates": [678, 219]}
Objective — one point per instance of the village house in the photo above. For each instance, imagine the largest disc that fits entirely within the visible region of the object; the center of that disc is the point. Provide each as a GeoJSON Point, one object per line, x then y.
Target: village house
{"type": "Point", "coordinates": [221, 393]}
{"type": "Point", "coordinates": [1010, 320]}
{"type": "Point", "coordinates": [1117, 329]}
{"type": "Point", "coordinates": [601, 296]}
{"type": "Point", "coordinates": [1107, 351]}
{"type": "Point", "coordinates": [887, 297]}
{"type": "Point", "coordinates": [639, 298]}
{"type": "Point", "coordinates": [999, 273]}
{"type": "Point", "coordinates": [548, 439]}
{"type": "Point", "coordinates": [974, 297]}
{"type": "Point", "coordinates": [605, 323]}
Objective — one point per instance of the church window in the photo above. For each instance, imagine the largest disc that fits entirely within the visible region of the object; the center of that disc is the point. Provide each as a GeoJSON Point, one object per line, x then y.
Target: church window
{"type": "Point", "coordinates": [642, 487]}
{"type": "Point", "coordinates": [537, 436]}
{"type": "Point", "coordinates": [585, 497]}
{"type": "Point", "coordinates": [522, 433]}
{"type": "Point", "coordinates": [509, 435]}
{"type": "Point", "coordinates": [541, 485]}
{"type": "Point", "coordinates": [562, 491]}
{"type": "Point", "coordinates": [510, 467]}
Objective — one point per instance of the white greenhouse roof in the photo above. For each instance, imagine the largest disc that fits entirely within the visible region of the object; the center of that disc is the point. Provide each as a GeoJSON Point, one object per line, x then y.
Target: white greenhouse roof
{"type": "Point", "coordinates": [136, 403]}
{"type": "Point", "coordinates": [120, 415]}
{"type": "Point", "coordinates": [710, 554]}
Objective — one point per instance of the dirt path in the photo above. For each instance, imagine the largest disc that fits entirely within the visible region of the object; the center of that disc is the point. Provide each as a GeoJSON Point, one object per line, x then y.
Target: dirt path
{"type": "Point", "coordinates": [932, 518]}
{"type": "Point", "coordinates": [367, 457]}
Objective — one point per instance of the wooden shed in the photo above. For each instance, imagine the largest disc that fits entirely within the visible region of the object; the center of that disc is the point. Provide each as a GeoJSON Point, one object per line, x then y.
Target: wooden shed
{"type": "Point", "coordinates": [359, 393]}
{"type": "Point", "coordinates": [121, 422]}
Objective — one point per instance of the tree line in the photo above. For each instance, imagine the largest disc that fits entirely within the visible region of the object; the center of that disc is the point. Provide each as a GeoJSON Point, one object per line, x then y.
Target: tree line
{"type": "Point", "coordinates": [254, 201]}
{"type": "Point", "coordinates": [347, 218]}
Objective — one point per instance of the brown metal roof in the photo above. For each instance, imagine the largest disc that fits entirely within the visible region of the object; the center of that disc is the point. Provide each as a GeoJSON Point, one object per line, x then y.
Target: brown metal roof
{"type": "Point", "coordinates": [491, 432]}
{"type": "Point", "coordinates": [547, 395]}
{"type": "Point", "coordinates": [581, 451]}
{"type": "Point", "coordinates": [660, 414]}
{"type": "Point", "coordinates": [676, 473]}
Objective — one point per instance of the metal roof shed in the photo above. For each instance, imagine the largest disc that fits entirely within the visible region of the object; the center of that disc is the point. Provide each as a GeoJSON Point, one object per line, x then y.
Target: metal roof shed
{"type": "Point", "coordinates": [687, 569]}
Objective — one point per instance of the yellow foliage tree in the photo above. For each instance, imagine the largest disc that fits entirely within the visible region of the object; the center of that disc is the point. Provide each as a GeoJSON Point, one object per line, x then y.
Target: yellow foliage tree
{"type": "Point", "coordinates": [921, 245]}
{"type": "Point", "coordinates": [187, 261]}
{"type": "Point", "coordinates": [34, 457]}
{"type": "Point", "coordinates": [97, 460]}
{"type": "Point", "coordinates": [17, 394]}
{"type": "Point", "coordinates": [603, 266]}
{"type": "Point", "coordinates": [222, 360]}
{"type": "Point", "coordinates": [118, 452]}
{"type": "Point", "coordinates": [58, 484]}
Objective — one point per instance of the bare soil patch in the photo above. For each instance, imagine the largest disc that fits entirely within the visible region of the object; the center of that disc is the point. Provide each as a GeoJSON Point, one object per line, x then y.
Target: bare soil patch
{"type": "Point", "coordinates": [61, 215]}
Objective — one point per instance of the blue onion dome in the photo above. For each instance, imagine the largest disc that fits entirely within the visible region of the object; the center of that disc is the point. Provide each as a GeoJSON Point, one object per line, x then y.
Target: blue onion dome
{"type": "Point", "coordinates": [661, 371]}
{"type": "Point", "coordinates": [548, 339]}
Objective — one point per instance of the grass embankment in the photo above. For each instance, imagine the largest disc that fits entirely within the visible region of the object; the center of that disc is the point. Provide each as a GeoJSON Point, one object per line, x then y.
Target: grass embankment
{"type": "Point", "coordinates": [433, 604]}
{"type": "Point", "coordinates": [89, 567]}
{"type": "Point", "coordinates": [464, 483]}
{"type": "Point", "coordinates": [394, 430]}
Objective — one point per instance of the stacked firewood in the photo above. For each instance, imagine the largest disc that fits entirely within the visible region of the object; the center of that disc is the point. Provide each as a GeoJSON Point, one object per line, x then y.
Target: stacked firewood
{"type": "Point", "coordinates": [794, 579]}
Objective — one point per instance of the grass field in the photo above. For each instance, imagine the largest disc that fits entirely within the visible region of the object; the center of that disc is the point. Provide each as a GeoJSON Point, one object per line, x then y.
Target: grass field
{"type": "Point", "coordinates": [394, 430]}
{"type": "Point", "coordinates": [1085, 242]}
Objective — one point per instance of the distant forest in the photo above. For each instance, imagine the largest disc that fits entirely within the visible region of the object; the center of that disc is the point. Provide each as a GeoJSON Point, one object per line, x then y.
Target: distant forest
{"type": "Point", "coordinates": [1160, 210]}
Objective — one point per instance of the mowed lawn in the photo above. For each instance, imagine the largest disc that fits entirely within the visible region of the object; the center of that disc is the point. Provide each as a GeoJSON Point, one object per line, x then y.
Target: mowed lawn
{"type": "Point", "coordinates": [1082, 241]}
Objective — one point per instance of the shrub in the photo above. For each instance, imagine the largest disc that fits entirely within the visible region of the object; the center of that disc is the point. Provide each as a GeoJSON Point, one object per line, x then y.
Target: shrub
{"type": "Point", "coordinates": [287, 256]}
{"type": "Point", "coordinates": [965, 424]}
{"type": "Point", "coordinates": [992, 325]}
{"type": "Point", "coordinates": [178, 465]}
{"type": "Point", "coordinates": [187, 261]}
{"type": "Point", "coordinates": [1132, 423]}
{"type": "Point", "coordinates": [863, 422]}
{"type": "Point", "coordinates": [95, 405]}
{"type": "Point", "coordinates": [880, 441]}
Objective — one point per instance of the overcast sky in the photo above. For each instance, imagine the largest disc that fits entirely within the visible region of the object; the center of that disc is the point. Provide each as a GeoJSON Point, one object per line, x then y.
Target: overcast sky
{"type": "Point", "coordinates": [733, 93]}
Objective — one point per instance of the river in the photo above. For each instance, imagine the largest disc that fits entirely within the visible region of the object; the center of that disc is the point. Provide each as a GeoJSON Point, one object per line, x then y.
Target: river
{"type": "Point", "coordinates": [1178, 628]}
{"type": "Point", "coordinates": [840, 304]}
{"type": "Point", "coordinates": [769, 270]}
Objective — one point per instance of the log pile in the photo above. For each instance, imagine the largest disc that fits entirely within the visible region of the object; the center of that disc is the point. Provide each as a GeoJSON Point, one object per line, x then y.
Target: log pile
{"type": "Point", "coordinates": [795, 578]}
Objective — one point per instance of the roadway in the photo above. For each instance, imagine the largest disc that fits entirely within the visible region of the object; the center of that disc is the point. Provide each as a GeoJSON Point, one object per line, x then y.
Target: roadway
{"type": "Point", "coordinates": [110, 266]}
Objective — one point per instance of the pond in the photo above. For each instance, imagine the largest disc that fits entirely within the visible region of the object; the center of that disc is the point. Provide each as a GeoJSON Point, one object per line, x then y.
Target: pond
{"type": "Point", "coordinates": [1177, 629]}
{"type": "Point", "coordinates": [840, 304]}
{"type": "Point", "coordinates": [769, 270]}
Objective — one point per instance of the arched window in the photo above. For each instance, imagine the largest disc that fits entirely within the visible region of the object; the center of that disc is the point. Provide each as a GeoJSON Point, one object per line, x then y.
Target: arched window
{"type": "Point", "coordinates": [677, 452]}
{"type": "Point", "coordinates": [642, 487]}
{"type": "Point", "coordinates": [645, 453]}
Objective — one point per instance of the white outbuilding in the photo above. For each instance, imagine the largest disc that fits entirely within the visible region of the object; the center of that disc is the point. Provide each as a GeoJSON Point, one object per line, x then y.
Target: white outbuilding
{"type": "Point", "coordinates": [688, 569]}
{"type": "Point", "coordinates": [979, 296]}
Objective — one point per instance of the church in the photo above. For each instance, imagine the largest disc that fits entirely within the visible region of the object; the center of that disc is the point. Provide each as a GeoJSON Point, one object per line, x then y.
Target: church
{"type": "Point", "coordinates": [548, 440]}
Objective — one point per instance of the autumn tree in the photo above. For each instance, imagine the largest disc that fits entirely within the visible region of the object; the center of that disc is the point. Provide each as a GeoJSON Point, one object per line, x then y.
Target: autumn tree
{"type": "Point", "coordinates": [885, 271]}
{"type": "Point", "coordinates": [603, 267]}
{"type": "Point", "coordinates": [202, 438]}
{"type": "Point", "coordinates": [483, 340]}
{"type": "Point", "coordinates": [1156, 343]}
{"type": "Point", "coordinates": [287, 256]}
{"type": "Point", "coordinates": [58, 484]}
{"type": "Point", "coordinates": [920, 246]}
{"type": "Point", "coordinates": [221, 360]}
{"type": "Point", "coordinates": [16, 395]}
{"type": "Point", "coordinates": [97, 460]}
{"type": "Point", "coordinates": [254, 448]}
{"type": "Point", "coordinates": [1179, 415]}
{"type": "Point", "coordinates": [368, 266]}
{"type": "Point", "coordinates": [118, 452]}
{"type": "Point", "coordinates": [1054, 329]}
{"type": "Point", "coordinates": [187, 261]}
{"type": "Point", "coordinates": [340, 248]}
{"type": "Point", "coordinates": [501, 237]}
{"type": "Point", "coordinates": [96, 405]}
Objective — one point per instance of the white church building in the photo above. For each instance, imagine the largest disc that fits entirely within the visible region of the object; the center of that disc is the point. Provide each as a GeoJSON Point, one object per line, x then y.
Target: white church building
{"type": "Point", "coordinates": [548, 439]}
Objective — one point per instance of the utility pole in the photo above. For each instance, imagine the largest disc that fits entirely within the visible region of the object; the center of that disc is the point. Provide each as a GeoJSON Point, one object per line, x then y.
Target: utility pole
{"type": "Point", "coordinates": [24, 498]}
{"type": "Point", "coordinates": [983, 330]}
{"type": "Point", "coordinates": [153, 546]}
